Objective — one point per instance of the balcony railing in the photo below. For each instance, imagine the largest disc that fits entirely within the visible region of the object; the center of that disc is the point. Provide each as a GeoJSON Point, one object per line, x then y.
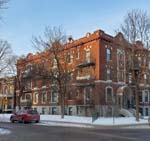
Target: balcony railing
{"type": "Point", "coordinates": [86, 63]}
{"type": "Point", "coordinates": [136, 66]}
{"type": "Point", "coordinates": [27, 74]}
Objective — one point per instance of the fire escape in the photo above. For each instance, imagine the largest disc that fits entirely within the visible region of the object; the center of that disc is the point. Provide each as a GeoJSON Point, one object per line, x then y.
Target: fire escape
{"type": "Point", "coordinates": [85, 82]}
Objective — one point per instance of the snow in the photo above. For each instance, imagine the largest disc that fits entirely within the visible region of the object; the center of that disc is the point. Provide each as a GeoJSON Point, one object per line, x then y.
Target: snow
{"type": "Point", "coordinates": [4, 131]}
{"type": "Point", "coordinates": [5, 117]}
{"type": "Point", "coordinates": [50, 123]}
{"type": "Point", "coordinates": [83, 120]}
{"type": "Point", "coordinates": [88, 120]}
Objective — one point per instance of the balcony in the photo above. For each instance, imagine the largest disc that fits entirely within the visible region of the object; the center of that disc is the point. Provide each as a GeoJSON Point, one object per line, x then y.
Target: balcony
{"type": "Point", "coordinates": [27, 89]}
{"type": "Point", "coordinates": [27, 74]}
{"type": "Point", "coordinates": [86, 63]}
{"type": "Point", "coordinates": [136, 67]}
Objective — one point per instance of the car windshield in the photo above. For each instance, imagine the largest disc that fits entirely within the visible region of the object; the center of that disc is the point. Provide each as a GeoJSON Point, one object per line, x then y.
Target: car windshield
{"type": "Point", "coordinates": [20, 112]}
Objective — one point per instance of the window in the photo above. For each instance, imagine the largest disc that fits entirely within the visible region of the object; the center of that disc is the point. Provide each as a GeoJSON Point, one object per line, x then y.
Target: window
{"type": "Point", "coordinates": [29, 67]}
{"type": "Point", "coordinates": [140, 96]}
{"type": "Point", "coordinates": [88, 54]}
{"type": "Point", "coordinates": [65, 58]}
{"type": "Point", "coordinates": [146, 111]}
{"type": "Point", "coordinates": [43, 110]}
{"type": "Point", "coordinates": [27, 84]}
{"type": "Point", "coordinates": [54, 96]}
{"type": "Point", "coordinates": [141, 111]}
{"type": "Point", "coordinates": [70, 58]}
{"type": "Point", "coordinates": [120, 75]}
{"type": "Point", "coordinates": [44, 96]}
{"type": "Point", "coordinates": [54, 63]}
{"type": "Point", "coordinates": [144, 60]}
{"type": "Point", "coordinates": [146, 96]}
{"type": "Point", "coordinates": [70, 111]}
{"type": "Point", "coordinates": [108, 73]}
{"type": "Point", "coordinates": [36, 95]}
{"type": "Point", "coordinates": [87, 71]}
{"type": "Point", "coordinates": [108, 54]}
{"type": "Point", "coordinates": [77, 54]}
{"type": "Point", "coordinates": [139, 61]}
{"type": "Point", "coordinates": [70, 95]}
{"type": "Point", "coordinates": [88, 95]}
{"type": "Point", "coordinates": [145, 78]}
{"type": "Point", "coordinates": [28, 96]}
{"type": "Point", "coordinates": [109, 94]}
{"type": "Point", "coordinates": [54, 110]}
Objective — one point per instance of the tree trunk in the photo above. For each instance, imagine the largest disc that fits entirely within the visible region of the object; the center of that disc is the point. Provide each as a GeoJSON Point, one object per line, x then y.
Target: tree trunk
{"type": "Point", "coordinates": [62, 106]}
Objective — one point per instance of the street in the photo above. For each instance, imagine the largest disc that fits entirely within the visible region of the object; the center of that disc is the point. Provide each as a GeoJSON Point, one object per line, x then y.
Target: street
{"type": "Point", "coordinates": [33, 132]}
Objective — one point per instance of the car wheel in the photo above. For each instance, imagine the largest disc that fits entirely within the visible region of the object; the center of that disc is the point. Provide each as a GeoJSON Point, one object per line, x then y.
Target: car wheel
{"type": "Point", "coordinates": [23, 120]}
{"type": "Point", "coordinates": [11, 119]}
{"type": "Point", "coordinates": [37, 121]}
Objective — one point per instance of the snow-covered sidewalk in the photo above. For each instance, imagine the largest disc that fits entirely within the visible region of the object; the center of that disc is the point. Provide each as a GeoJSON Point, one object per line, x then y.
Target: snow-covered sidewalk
{"type": "Point", "coordinates": [48, 119]}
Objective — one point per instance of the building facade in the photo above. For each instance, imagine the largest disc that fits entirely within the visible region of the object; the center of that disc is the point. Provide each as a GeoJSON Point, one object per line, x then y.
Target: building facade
{"type": "Point", "coordinates": [7, 94]}
{"type": "Point", "coordinates": [106, 75]}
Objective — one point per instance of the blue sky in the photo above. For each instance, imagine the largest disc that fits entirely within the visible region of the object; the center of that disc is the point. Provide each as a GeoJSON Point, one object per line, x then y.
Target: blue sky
{"type": "Point", "coordinates": [25, 18]}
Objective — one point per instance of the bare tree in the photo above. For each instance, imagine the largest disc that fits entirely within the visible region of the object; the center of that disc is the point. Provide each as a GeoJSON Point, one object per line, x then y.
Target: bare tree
{"type": "Point", "coordinates": [7, 59]}
{"type": "Point", "coordinates": [53, 43]}
{"type": "Point", "coordinates": [136, 26]}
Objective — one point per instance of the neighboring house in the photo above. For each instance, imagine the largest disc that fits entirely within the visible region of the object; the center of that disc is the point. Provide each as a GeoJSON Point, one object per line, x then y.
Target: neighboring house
{"type": "Point", "coordinates": [6, 94]}
{"type": "Point", "coordinates": [103, 80]}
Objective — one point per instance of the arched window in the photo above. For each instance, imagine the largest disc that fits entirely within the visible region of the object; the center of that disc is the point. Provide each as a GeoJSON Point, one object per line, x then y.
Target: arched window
{"type": "Point", "coordinates": [109, 94]}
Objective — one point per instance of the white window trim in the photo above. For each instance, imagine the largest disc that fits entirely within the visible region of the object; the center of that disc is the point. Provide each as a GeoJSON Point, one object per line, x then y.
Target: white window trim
{"type": "Point", "coordinates": [143, 96]}
{"type": "Point", "coordinates": [35, 97]}
{"type": "Point", "coordinates": [51, 98]}
{"type": "Point", "coordinates": [42, 98]}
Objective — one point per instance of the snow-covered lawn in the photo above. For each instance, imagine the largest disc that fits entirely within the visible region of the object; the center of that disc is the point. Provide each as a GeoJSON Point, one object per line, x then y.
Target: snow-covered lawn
{"type": "Point", "coordinates": [83, 120]}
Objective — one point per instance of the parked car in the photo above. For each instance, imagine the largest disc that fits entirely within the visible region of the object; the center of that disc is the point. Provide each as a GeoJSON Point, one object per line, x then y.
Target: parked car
{"type": "Point", "coordinates": [25, 116]}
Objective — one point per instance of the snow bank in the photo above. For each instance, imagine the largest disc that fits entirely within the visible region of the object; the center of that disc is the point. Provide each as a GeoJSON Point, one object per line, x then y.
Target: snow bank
{"type": "Point", "coordinates": [83, 120]}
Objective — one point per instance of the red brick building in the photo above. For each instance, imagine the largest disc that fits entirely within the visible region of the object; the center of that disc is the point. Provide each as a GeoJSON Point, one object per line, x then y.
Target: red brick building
{"type": "Point", "coordinates": [102, 80]}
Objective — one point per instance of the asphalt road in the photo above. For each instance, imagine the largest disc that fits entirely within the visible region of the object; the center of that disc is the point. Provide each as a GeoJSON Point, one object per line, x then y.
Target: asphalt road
{"type": "Point", "coordinates": [33, 132]}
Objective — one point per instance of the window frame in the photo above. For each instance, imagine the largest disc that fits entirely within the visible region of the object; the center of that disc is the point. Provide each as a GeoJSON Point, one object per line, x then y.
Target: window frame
{"type": "Point", "coordinates": [106, 94]}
